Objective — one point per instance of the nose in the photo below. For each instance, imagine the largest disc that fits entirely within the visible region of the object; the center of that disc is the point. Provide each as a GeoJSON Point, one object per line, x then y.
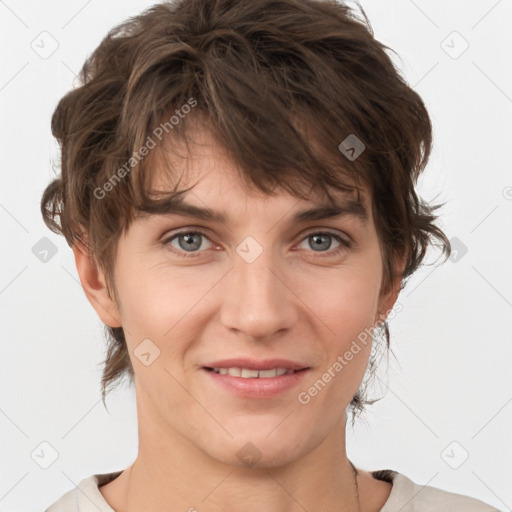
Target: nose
{"type": "Point", "coordinates": [258, 301]}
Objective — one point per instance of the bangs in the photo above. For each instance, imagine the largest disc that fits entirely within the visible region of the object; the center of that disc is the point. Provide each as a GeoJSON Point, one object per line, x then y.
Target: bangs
{"type": "Point", "coordinates": [305, 174]}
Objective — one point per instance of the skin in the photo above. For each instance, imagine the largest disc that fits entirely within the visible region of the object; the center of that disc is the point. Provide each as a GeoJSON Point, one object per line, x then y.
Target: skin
{"type": "Point", "coordinates": [295, 301]}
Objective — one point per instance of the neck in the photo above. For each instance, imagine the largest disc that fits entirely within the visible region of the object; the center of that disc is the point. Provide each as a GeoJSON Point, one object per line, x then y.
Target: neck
{"type": "Point", "coordinates": [171, 474]}
{"type": "Point", "coordinates": [283, 489]}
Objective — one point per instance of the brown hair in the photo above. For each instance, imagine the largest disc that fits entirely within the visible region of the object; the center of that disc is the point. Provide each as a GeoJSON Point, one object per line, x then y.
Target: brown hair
{"type": "Point", "coordinates": [280, 83]}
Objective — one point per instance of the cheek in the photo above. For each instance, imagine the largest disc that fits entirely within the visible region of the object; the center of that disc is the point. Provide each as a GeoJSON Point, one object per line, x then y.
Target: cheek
{"type": "Point", "coordinates": [345, 299]}
{"type": "Point", "coordinates": [346, 310]}
{"type": "Point", "coordinates": [162, 304]}
{"type": "Point", "coordinates": [345, 302]}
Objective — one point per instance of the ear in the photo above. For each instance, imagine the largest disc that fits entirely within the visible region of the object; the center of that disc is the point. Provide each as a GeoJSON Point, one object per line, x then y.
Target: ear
{"type": "Point", "coordinates": [388, 299]}
{"type": "Point", "coordinates": [94, 285]}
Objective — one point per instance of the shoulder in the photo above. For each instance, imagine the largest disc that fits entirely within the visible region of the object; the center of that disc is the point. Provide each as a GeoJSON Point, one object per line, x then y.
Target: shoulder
{"type": "Point", "coordinates": [66, 503]}
{"type": "Point", "coordinates": [86, 496]}
{"type": "Point", "coordinates": [408, 496]}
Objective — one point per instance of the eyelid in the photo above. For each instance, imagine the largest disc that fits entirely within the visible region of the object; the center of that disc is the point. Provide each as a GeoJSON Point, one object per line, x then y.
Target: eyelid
{"type": "Point", "coordinates": [169, 237]}
{"type": "Point", "coordinates": [328, 231]}
{"type": "Point", "coordinates": [204, 231]}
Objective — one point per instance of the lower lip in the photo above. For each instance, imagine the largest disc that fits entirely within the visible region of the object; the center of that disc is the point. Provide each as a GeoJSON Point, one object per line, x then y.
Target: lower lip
{"type": "Point", "coordinates": [257, 387]}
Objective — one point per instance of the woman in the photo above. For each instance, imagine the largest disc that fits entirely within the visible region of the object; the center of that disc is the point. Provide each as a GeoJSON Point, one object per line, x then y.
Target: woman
{"type": "Point", "coordinates": [238, 188]}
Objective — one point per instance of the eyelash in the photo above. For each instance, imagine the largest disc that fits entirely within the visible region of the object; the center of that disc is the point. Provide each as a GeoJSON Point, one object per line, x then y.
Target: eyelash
{"type": "Point", "coordinates": [333, 252]}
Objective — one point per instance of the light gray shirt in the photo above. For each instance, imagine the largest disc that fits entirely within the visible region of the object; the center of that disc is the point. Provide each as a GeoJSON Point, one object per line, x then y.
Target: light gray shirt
{"type": "Point", "coordinates": [405, 496]}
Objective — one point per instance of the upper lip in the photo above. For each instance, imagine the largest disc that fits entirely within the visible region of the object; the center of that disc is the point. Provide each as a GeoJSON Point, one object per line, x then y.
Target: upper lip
{"type": "Point", "coordinates": [254, 364]}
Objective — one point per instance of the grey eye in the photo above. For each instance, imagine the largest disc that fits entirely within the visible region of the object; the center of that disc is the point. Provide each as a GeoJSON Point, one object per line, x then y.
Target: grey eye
{"type": "Point", "coordinates": [321, 241]}
{"type": "Point", "coordinates": [190, 241]}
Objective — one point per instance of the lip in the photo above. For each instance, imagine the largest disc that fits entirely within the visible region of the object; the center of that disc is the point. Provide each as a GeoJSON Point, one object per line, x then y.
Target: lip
{"type": "Point", "coordinates": [254, 364]}
{"type": "Point", "coordinates": [256, 387]}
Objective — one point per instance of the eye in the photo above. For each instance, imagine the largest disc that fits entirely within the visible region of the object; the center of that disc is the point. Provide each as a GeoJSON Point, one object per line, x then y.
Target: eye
{"type": "Point", "coordinates": [323, 241]}
{"type": "Point", "coordinates": [188, 242]}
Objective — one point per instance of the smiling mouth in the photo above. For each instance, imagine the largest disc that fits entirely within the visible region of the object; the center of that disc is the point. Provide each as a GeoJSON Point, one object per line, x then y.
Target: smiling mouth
{"type": "Point", "coordinates": [247, 373]}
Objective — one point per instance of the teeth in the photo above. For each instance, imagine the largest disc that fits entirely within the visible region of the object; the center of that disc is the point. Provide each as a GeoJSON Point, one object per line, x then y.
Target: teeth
{"type": "Point", "coordinates": [268, 373]}
{"type": "Point", "coordinates": [246, 373]}
{"type": "Point", "coordinates": [235, 372]}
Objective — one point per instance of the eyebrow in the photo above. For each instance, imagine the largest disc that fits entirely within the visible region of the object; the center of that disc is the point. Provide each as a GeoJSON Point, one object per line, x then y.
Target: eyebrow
{"type": "Point", "coordinates": [343, 208]}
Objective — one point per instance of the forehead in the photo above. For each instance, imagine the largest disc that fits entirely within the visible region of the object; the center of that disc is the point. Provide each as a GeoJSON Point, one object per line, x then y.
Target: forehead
{"type": "Point", "coordinates": [205, 167]}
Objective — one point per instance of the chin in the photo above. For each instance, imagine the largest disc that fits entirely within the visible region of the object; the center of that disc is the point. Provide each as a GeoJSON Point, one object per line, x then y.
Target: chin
{"type": "Point", "coordinates": [251, 457]}
{"type": "Point", "coordinates": [259, 450]}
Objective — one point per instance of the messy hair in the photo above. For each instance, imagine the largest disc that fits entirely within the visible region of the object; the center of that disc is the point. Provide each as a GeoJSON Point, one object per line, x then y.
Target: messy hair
{"type": "Point", "coordinates": [298, 92]}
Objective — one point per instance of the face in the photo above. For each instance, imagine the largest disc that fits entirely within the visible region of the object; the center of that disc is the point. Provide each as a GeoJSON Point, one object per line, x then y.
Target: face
{"type": "Point", "coordinates": [262, 290]}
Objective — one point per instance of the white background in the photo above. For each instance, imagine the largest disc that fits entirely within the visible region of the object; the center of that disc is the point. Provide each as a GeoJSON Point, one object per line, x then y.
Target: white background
{"type": "Point", "coordinates": [451, 380]}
